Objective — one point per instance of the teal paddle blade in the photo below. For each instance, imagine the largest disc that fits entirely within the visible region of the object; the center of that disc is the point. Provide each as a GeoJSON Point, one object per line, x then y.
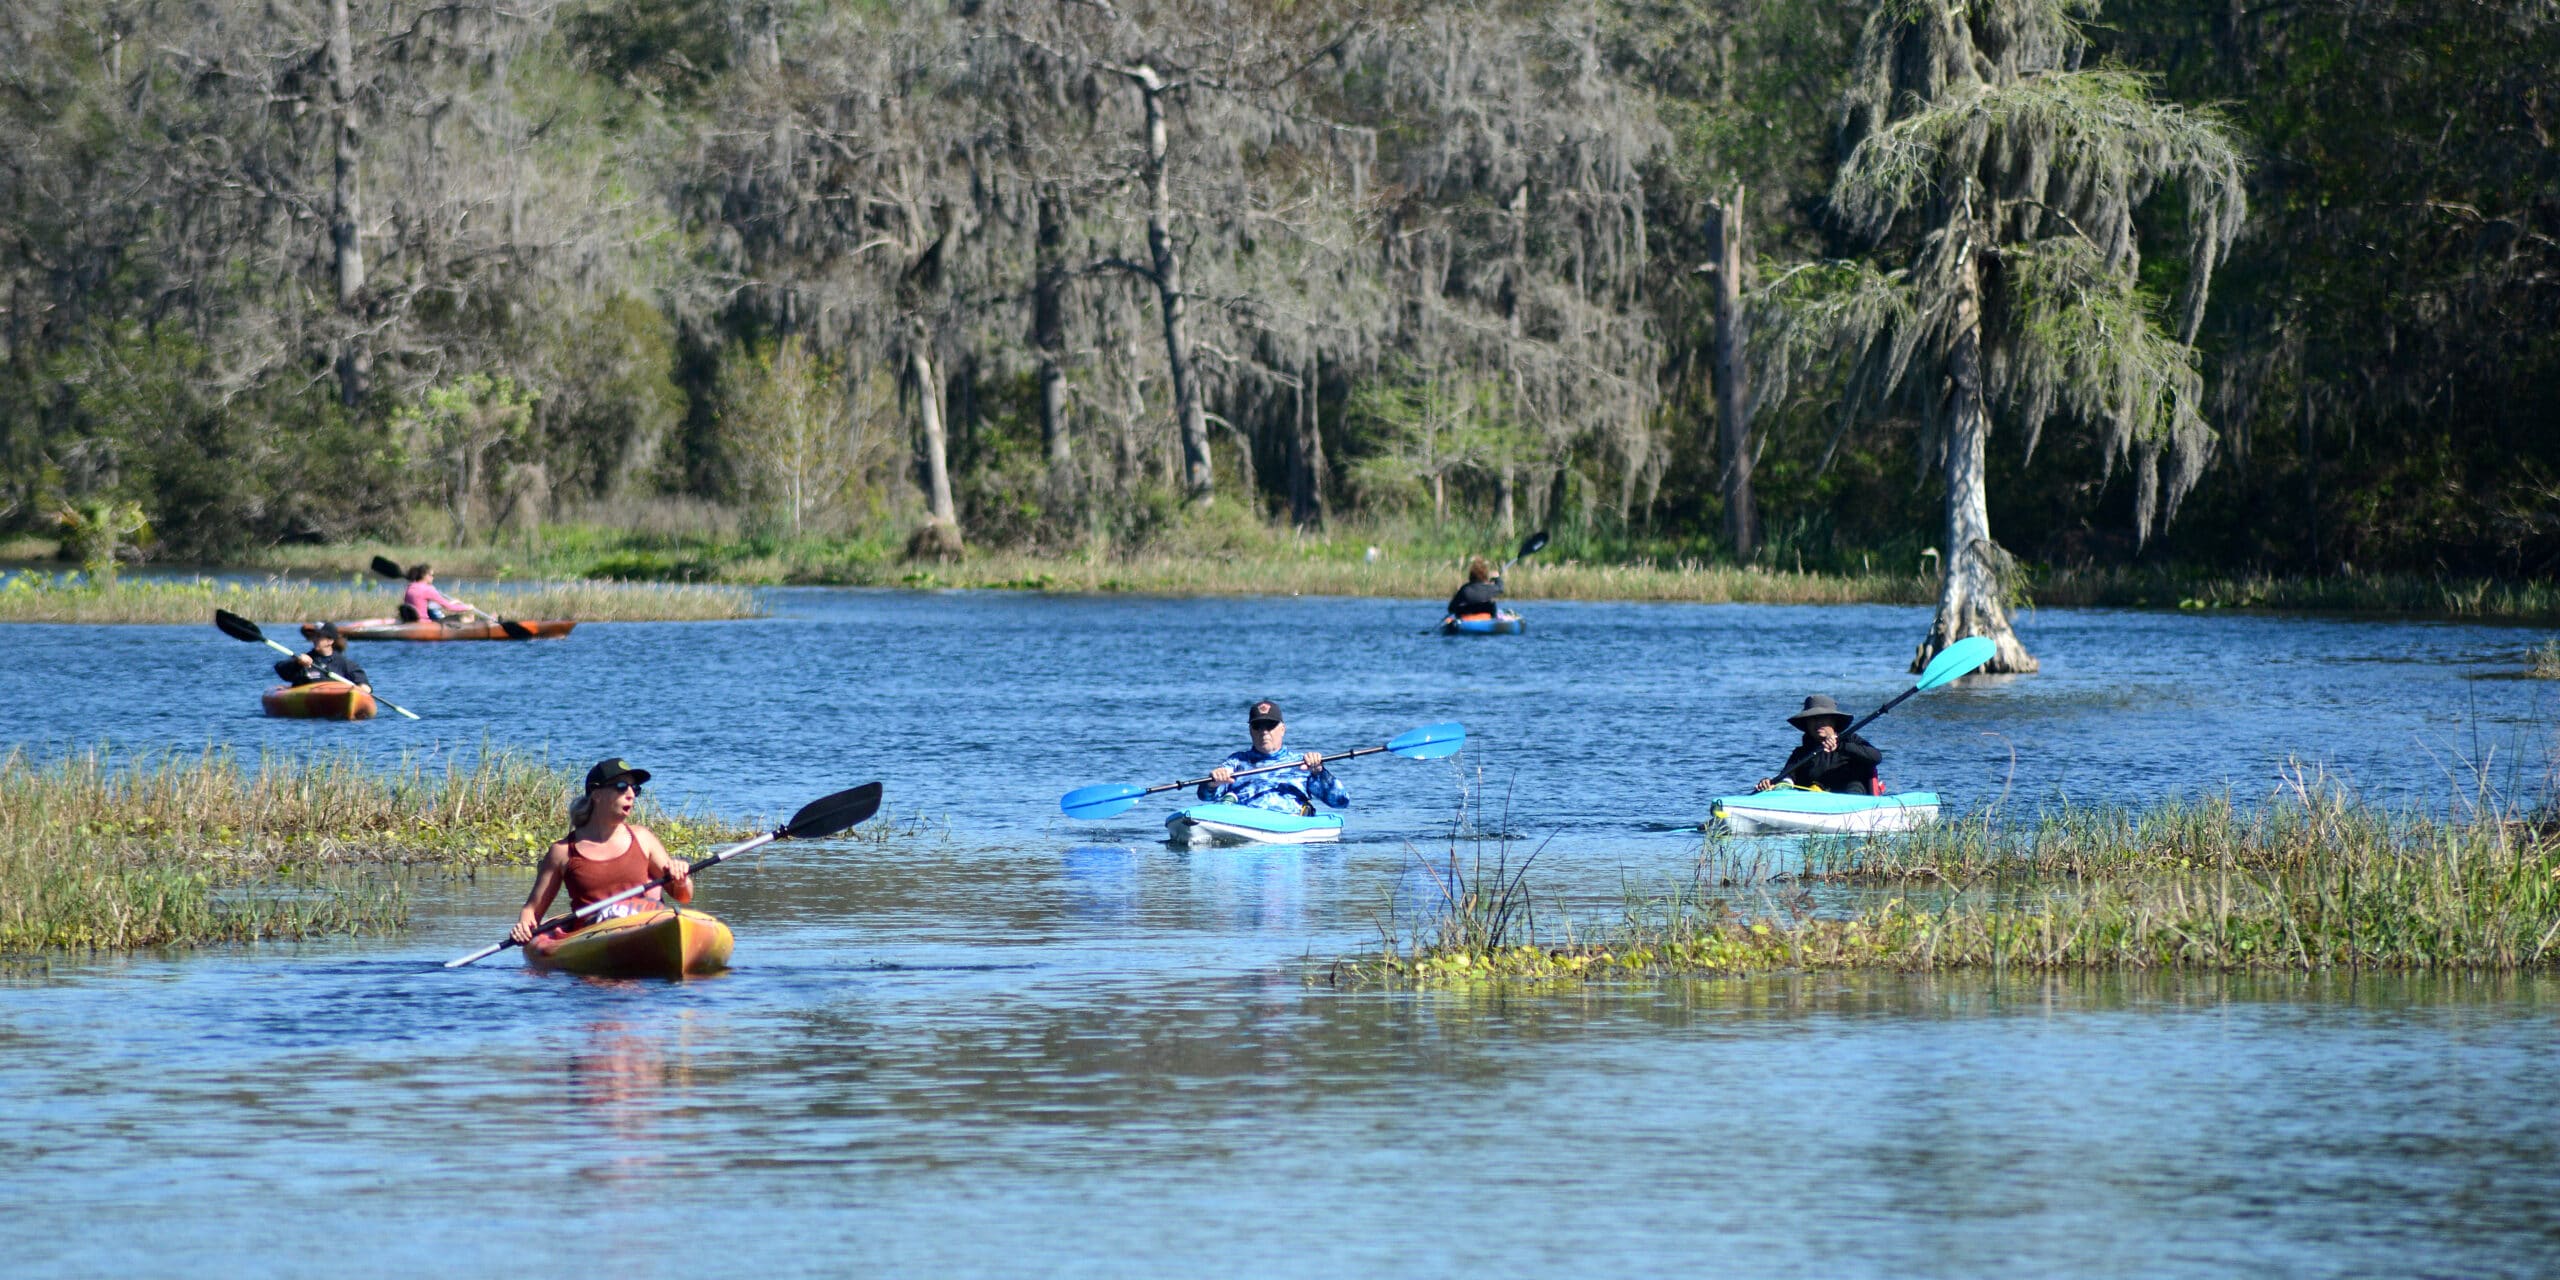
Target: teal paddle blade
{"type": "Point", "coordinates": [1100, 801]}
{"type": "Point", "coordinates": [1956, 661]}
{"type": "Point", "coordinates": [1430, 742]}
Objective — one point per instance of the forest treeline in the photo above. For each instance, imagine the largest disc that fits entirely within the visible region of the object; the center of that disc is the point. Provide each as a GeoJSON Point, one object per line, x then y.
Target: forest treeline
{"type": "Point", "coordinates": [1040, 273]}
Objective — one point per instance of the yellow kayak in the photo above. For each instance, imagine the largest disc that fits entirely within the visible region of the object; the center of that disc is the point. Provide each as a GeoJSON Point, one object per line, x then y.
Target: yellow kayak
{"type": "Point", "coordinates": [649, 944]}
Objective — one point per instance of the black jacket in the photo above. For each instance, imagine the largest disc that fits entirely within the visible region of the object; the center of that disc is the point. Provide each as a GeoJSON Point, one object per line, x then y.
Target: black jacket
{"type": "Point", "coordinates": [1852, 768]}
{"type": "Point", "coordinates": [1476, 598]}
{"type": "Point", "coordinates": [337, 666]}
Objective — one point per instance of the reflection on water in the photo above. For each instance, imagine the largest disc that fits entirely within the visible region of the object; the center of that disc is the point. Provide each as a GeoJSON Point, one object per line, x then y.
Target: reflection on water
{"type": "Point", "coordinates": [1009, 1044]}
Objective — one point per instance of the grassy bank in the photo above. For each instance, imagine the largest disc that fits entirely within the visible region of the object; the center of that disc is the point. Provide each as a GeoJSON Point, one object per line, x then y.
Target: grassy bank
{"type": "Point", "coordinates": [2309, 883]}
{"type": "Point", "coordinates": [2546, 661]}
{"type": "Point", "coordinates": [1221, 553]}
{"type": "Point", "coordinates": [101, 853]}
{"type": "Point", "coordinates": [37, 597]}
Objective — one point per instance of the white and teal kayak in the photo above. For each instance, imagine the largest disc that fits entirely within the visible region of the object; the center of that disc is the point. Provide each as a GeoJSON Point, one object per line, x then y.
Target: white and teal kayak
{"type": "Point", "coordinates": [1790, 811]}
{"type": "Point", "coordinates": [1232, 824]}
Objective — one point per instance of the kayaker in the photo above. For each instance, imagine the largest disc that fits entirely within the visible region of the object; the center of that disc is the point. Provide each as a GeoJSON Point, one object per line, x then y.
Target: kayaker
{"type": "Point", "coordinates": [1293, 789]}
{"type": "Point", "coordinates": [1477, 598]}
{"type": "Point", "coordinates": [1830, 757]}
{"type": "Point", "coordinates": [603, 854]}
{"type": "Point", "coordinates": [327, 660]}
{"type": "Point", "coordinates": [421, 602]}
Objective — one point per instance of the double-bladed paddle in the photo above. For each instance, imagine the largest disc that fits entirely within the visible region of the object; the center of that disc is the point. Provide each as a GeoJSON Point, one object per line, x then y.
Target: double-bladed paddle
{"type": "Point", "coordinates": [1953, 663]}
{"type": "Point", "coordinates": [390, 568]}
{"type": "Point", "coordinates": [1529, 546]}
{"type": "Point", "coordinates": [821, 817]}
{"type": "Point", "coordinates": [1430, 742]}
{"type": "Point", "coordinates": [239, 628]}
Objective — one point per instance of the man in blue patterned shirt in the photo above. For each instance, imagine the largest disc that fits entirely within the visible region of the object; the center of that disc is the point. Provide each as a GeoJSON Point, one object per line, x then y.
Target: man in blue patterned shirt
{"type": "Point", "coordinates": [1294, 789]}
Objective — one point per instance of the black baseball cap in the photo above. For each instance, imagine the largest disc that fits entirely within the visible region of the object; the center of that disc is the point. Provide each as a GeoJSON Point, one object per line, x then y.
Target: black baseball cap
{"type": "Point", "coordinates": [612, 768]}
{"type": "Point", "coordinates": [325, 631]}
{"type": "Point", "coordinates": [1264, 712]}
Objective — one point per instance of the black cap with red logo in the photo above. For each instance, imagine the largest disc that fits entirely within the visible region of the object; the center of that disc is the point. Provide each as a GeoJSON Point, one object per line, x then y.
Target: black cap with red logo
{"type": "Point", "coordinates": [1262, 713]}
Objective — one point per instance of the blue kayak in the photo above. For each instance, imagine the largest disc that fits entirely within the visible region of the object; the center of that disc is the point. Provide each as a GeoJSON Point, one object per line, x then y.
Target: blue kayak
{"type": "Point", "coordinates": [1204, 824]}
{"type": "Point", "coordinates": [1798, 811]}
{"type": "Point", "coordinates": [1501, 624]}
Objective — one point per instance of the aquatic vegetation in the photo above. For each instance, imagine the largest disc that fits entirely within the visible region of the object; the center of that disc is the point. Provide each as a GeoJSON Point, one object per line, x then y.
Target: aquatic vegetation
{"type": "Point", "coordinates": [2313, 880]}
{"type": "Point", "coordinates": [98, 851]}
{"type": "Point", "coordinates": [2546, 661]}
{"type": "Point", "coordinates": [41, 597]}
{"type": "Point", "coordinates": [1215, 557]}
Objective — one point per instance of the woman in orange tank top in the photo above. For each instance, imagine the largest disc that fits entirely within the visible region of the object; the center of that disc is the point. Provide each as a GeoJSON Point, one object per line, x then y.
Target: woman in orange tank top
{"type": "Point", "coordinates": [604, 853]}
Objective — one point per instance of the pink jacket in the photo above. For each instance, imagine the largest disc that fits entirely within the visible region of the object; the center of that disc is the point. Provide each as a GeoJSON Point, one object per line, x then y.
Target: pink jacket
{"type": "Point", "coordinates": [421, 594]}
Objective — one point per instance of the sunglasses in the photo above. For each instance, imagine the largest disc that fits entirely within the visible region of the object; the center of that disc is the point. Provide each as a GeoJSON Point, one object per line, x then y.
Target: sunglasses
{"type": "Point", "coordinates": [1260, 726]}
{"type": "Point", "coordinates": [626, 784]}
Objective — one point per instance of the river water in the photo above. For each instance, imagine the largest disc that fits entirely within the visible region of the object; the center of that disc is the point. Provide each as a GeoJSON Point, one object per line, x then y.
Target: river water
{"type": "Point", "coordinates": [994, 1041]}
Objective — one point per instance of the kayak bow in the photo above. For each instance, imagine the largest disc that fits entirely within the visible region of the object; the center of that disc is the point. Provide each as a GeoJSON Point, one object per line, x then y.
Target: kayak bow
{"type": "Point", "coordinates": [1792, 811]}
{"type": "Point", "coordinates": [648, 944]}
{"type": "Point", "coordinates": [1235, 824]}
{"type": "Point", "coordinates": [319, 700]}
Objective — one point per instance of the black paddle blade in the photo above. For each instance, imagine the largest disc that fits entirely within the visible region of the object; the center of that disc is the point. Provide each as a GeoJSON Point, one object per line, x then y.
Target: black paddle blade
{"type": "Point", "coordinates": [387, 568]}
{"type": "Point", "coordinates": [827, 816]}
{"type": "Point", "coordinates": [515, 630]}
{"type": "Point", "coordinates": [237, 627]}
{"type": "Point", "coordinates": [1534, 543]}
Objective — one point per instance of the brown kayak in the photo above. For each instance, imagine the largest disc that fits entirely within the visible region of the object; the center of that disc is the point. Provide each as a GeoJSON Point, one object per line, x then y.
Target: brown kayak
{"type": "Point", "coordinates": [458, 629]}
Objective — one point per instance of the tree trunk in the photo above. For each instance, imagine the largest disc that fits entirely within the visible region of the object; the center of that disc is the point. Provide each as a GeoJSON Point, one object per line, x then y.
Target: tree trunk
{"type": "Point", "coordinates": [1733, 413]}
{"type": "Point", "coordinates": [1969, 589]}
{"type": "Point", "coordinates": [1503, 512]}
{"type": "Point", "coordinates": [937, 446]}
{"type": "Point", "coordinates": [1167, 269]}
{"type": "Point", "coordinates": [2310, 487]}
{"type": "Point", "coordinates": [355, 363]}
{"type": "Point", "coordinates": [1048, 333]}
{"type": "Point", "coordinates": [1306, 455]}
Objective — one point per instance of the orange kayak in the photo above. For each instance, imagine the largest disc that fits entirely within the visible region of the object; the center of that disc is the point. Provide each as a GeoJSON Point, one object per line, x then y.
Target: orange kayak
{"type": "Point", "coordinates": [458, 629]}
{"type": "Point", "coordinates": [649, 944]}
{"type": "Point", "coordinates": [320, 700]}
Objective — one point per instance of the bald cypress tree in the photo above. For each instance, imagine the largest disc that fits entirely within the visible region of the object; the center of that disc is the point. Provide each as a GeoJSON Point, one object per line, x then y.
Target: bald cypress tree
{"type": "Point", "coordinates": [1997, 181]}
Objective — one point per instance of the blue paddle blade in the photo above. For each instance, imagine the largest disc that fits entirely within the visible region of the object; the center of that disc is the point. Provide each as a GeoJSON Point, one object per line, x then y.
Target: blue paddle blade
{"type": "Point", "coordinates": [1430, 742]}
{"type": "Point", "coordinates": [1956, 661]}
{"type": "Point", "coordinates": [1100, 801]}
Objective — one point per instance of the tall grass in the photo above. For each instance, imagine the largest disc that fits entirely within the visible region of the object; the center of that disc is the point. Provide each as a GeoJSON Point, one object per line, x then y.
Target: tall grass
{"type": "Point", "coordinates": [102, 852]}
{"type": "Point", "coordinates": [39, 597]}
{"type": "Point", "coordinates": [1227, 551]}
{"type": "Point", "coordinates": [2313, 880]}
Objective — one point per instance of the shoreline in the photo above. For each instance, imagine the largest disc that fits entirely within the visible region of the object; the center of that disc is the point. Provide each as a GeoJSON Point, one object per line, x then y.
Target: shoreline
{"type": "Point", "coordinates": [65, 598]}
{"type": "Point", "coordinates": [639, 579]}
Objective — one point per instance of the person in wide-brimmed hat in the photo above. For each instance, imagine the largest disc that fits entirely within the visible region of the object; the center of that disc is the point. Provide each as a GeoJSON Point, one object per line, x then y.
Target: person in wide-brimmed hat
{"type": "Point", "coordinates": [1830, 757]}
